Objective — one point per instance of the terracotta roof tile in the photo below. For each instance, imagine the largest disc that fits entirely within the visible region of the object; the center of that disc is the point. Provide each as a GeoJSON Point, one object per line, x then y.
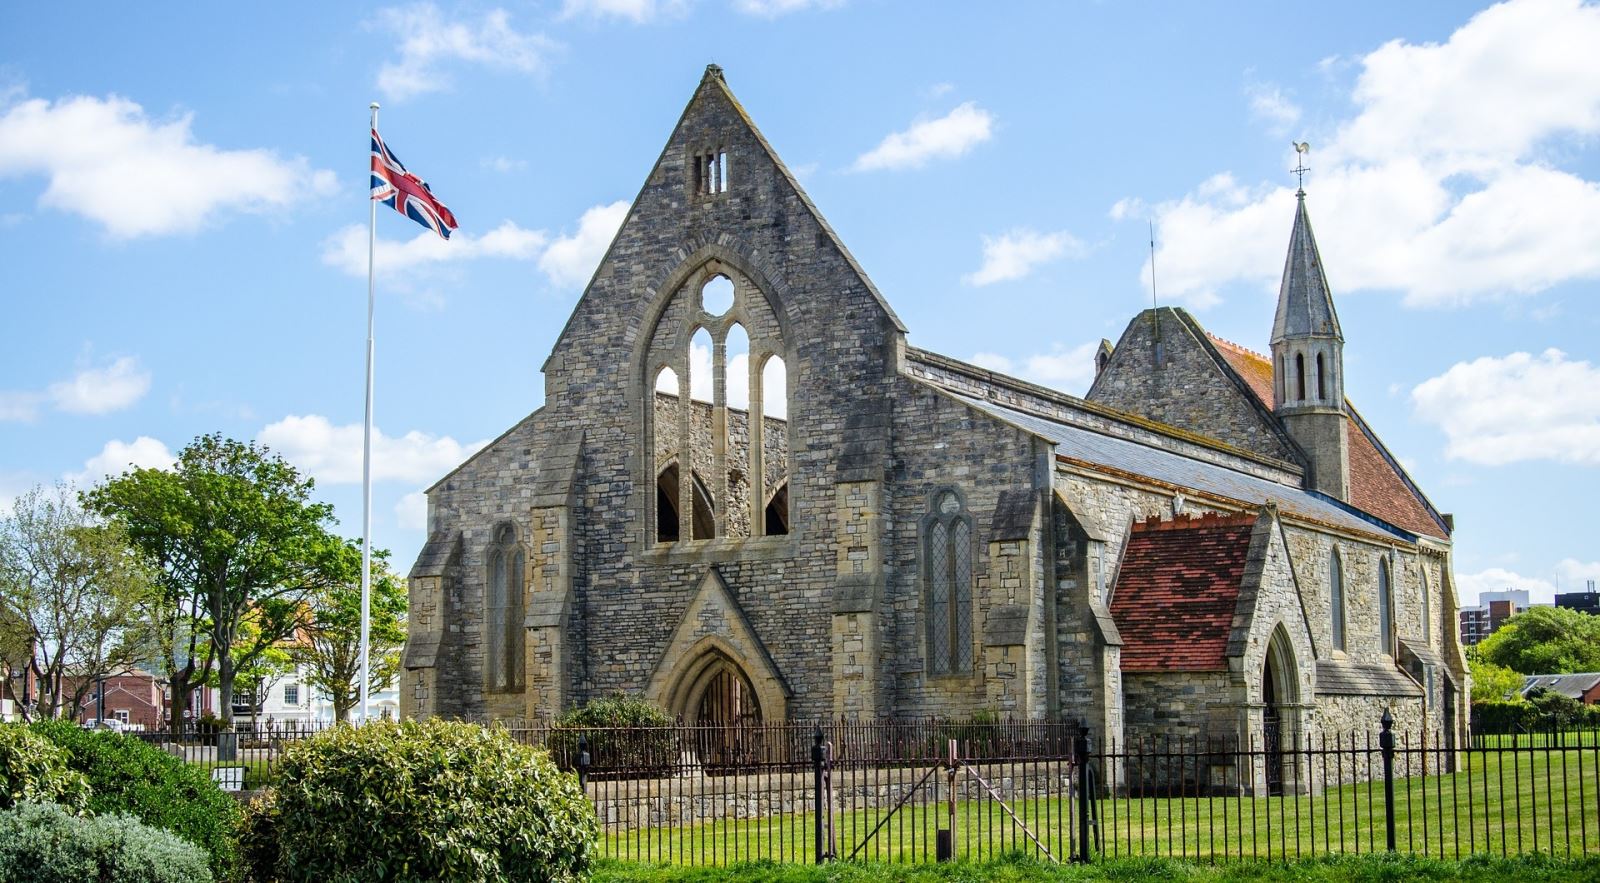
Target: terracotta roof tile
{"type": "Point", "coordinates": [1177, 589]}
{"type": "Point", "coordinates": [1376, 485]}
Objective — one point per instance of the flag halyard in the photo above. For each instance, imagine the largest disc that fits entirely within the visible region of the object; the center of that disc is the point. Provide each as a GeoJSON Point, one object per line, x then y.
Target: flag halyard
{"type": "Point", "coordinates": [406, 193]}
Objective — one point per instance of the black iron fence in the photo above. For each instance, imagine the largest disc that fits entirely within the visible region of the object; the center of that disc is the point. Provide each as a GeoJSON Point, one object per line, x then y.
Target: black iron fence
{"type": "Point", "coordinates": [904, 791]}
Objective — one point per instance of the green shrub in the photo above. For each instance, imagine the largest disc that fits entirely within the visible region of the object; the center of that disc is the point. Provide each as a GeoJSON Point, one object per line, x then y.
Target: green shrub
{"type": "Point", "coordinates": [258, 837]}
{"type": "Point", "coordinates": [430, 800]}
{"type": "Point", "coordinates": [131, 777]}
{"type": "Point", "coordinates": [622, 733]}
{"type": "Point", "coordinates": [33, 769]}
{"type": "Point", "coordinates": [43, 843]}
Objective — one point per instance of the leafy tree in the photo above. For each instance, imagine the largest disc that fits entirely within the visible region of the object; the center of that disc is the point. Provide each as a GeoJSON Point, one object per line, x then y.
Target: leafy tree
{"type": "Point", "coordinates": [70, 589]}
{"type": "Point", "coordinates": [1490, 682]}
{"type": "Point", "coordinates": [331, 648]}
{"type": "Point", "coordinates": [237, 537]}
{"type": "Point", "coordinates": [1545, 641]}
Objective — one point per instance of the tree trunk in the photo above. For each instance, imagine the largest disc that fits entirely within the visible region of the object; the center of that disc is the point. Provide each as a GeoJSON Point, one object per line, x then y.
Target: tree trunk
{"type": "Point", "coordinates": [179, 684]}
{"type": "Point", "coordinates": [341, 709]}
{"type": "Point", "coordinates": [225, 688]}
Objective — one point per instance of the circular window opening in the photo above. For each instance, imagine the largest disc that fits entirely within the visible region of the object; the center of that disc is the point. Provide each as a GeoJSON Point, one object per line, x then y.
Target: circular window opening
{"type": "Point", "coordinates": [716, 296]}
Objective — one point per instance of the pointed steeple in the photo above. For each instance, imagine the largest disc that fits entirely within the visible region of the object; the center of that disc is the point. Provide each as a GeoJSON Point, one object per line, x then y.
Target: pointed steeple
{"type": "Point", "coordinates": [1305, 305]}
{"type": "Point", "coordinates": [1308, 362]}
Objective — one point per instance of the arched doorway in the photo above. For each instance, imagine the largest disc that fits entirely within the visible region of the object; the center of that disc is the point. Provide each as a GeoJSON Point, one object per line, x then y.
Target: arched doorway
{"type": "Point", "coordinates": [1279, 697]}
{"type": "Point", "coordinates": [720, 703]}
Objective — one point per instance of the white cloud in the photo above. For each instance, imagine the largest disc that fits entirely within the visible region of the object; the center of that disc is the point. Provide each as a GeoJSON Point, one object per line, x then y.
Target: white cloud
{"type": "Point", "coordinates": [1568, 575]}
{"type": "Point", "coordinates": [775, 8]}
{"type": "Point", "coordinates": [93, 390]}
{"type": "Point", "coordinates": [1496, 410]}
{"type": "Point", "coordinates": [636, 11]}
{"type": "Point", "coordinates": [503, 164]}
{"type": "Point", "coordinates": [119, 456]}
{"type": "Point", "coordinates": [1069, 370]}
{"type": "Point", "coordinates": [102, 390]}
{"type": "Point", "coordinates": [333, 453]}
{"type": "Point", "coordinates": [949, 136]}
{"type": "Point", "coordinates": [1441, 185]}
{"type": "Point", "coordinates": [571, 260]}
{"type": "Point", "coordinates": [568, 261]}
{"type": "Point", "coordinates": [428, 41]}
{"type": "Point", "coordinates": [411, 513]}
{"type": "Point", "coordinates": [347, 249]}
{"type": "Point", "coordinates": [1270, 105]}
{"type": "Point", "coordinates": [1014, 254]}
{"type": "Point", "coordinates": [21, 406]}
{"type": "Point", "coordinates": [109, 162]}
{"type": "Point", "coordinates": [1498, 579]}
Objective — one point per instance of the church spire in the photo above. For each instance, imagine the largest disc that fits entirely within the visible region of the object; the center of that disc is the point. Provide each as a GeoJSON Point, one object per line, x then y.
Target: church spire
{"type": "Point", "coordinates": [1308, 362]}
{"type": "Point", "coordinates": [1305, 305]}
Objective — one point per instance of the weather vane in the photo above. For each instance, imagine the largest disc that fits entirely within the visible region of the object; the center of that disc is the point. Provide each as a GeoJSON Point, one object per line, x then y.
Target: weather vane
{"type": "Point", "coordinates": [1301, 148]}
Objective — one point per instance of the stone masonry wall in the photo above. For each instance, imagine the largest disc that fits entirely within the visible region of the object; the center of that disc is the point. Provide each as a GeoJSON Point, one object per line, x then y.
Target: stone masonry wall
{"type": "Point", "coordinates": [1185, 388]}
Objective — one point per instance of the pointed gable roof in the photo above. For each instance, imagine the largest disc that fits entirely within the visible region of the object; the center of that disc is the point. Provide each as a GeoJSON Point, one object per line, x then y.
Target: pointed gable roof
{"type": "Point", "coordinates": [711, 91]}
{"type": "Point", "coordinates": [1177, 591]}
{"type": "Point", "coordinates": [1378, 484]}
{"type": "Point", "coordinates": [1305, 305]}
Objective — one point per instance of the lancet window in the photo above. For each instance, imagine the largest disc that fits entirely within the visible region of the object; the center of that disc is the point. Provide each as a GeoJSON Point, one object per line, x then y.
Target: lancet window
{"type": "Point", "coordinates": [947, 579]}
{"type": "Point", "coordinates": [503, 603]}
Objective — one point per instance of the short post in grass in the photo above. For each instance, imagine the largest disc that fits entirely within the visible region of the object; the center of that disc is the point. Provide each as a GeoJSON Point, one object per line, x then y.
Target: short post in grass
{"type": "Point", "coordinates": [945, 842]}
{"type": "Point", "coordinates": [816, 787]}
{"type": "Point", "coordinates": [1386, 745]}
{"type": "Point", "coordinates": [1080, 759]}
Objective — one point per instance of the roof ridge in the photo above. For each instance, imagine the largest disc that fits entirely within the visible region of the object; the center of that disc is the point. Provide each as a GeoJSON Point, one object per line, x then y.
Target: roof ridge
{"type": "Point", "coordinates": [1238, 346]}
{"type": "Point", "coordinates": [1203, 521]}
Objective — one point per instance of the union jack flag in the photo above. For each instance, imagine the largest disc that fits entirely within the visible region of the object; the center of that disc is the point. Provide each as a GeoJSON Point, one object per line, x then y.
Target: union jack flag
{"type": "Point", "coordinates": [406, 193]}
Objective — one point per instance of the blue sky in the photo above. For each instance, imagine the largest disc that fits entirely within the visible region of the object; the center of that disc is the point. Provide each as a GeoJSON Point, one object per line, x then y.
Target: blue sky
{"type": "Point", "coordinates": [182, 214]}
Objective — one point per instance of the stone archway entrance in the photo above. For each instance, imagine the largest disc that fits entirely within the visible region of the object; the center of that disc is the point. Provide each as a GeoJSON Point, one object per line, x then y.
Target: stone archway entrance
{"type": "Point", "coordinates": [718, 701]}
{"type": "Point", "coordinates": [1279, 696]}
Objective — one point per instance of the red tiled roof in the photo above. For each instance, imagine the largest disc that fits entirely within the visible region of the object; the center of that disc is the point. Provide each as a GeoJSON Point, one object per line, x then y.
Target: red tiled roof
{"type": "Point", "coordinates": [1376, 485]}
{"type": "Point", "coordinates": [1177, 589]}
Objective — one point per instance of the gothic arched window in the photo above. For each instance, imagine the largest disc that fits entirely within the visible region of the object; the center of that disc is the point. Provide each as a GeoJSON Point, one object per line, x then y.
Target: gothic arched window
{"type": "Point", "coordinates": [503, 634]}
{"type": "Point", "coordinates": [1385, 608]}
{"type": "Point", "coordinates": [1300, 376]}
{"type": "Point", "coordinates": [947, 574]}
{"type": "Point", "coordinates": [718, 412]}
{"type": "Point", "coordinates": [1322, 384]}
{"type": "Point", "coordinates": [1336, 598]}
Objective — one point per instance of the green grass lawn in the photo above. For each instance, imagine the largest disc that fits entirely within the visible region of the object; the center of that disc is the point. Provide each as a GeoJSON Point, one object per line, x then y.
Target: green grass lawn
{"type": "Point", "coordinates": [1499, 804]}
{"type": "Point", "coordinates": [1326, 869]}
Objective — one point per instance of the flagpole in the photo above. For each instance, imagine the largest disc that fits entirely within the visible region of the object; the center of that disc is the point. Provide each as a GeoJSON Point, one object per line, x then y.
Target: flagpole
{"type": "Point", "coordinates": [366, 444]}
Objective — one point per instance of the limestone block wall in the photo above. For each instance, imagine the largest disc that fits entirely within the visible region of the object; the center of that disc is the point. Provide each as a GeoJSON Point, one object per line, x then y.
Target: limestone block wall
{"type": "Point", "coordinates": [1178, 706]}
{"type": "Point", "coordinates": [1184, 387]}
{"type": "Point", "coordinates": [939, 442]}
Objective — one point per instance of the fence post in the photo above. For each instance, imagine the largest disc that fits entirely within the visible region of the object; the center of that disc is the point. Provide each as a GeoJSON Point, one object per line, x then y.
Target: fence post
{"type": "Point", "coordinates": [583, 761]}
{"type": "Point", "coordinates": [816, 786]}
{"type": "Point", "coordinates": [1080, 757]}
{"type": "Point", "coordinates": [1386, 745]}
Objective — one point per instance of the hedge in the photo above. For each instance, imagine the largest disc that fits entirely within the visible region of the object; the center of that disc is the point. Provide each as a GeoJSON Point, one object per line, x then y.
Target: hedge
{"type": "Point", "coordinates": [44, 843]}
{"type": "Point", "coordinates": [34, 769]}
{"type": "Point", "coordinates": [131, 777]}
{"type": "Point", "coordinates": [415, 801]}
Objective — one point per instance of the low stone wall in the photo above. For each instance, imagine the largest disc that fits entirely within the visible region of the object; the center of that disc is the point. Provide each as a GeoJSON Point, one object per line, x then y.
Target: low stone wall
{"type": "Point", "coordinates": [698, 798]}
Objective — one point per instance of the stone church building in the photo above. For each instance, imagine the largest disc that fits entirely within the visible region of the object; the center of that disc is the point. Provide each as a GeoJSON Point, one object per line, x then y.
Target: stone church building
{"type": "Point", "coordinates": [747, 497]}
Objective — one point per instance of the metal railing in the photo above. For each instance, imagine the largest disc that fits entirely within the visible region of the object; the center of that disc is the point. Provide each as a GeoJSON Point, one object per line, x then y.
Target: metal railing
{"type": "Point", "coordinates": [923, 790]}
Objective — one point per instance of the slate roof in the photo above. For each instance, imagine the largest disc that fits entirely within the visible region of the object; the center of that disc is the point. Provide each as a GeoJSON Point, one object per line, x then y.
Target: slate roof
{"type": "Point", "coordinates": [1571, 686]}
{"type": "Point", "coordinates": [1340, 677]}
{"type": "Point", "coordinates": [1097, 449]}
{"type": "Point", "coordinates": [1305, 306]}
{"type": "Point", "coordinates": [1377, 483]}
{"type": "Point", "coordinates": [1177, 590]}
